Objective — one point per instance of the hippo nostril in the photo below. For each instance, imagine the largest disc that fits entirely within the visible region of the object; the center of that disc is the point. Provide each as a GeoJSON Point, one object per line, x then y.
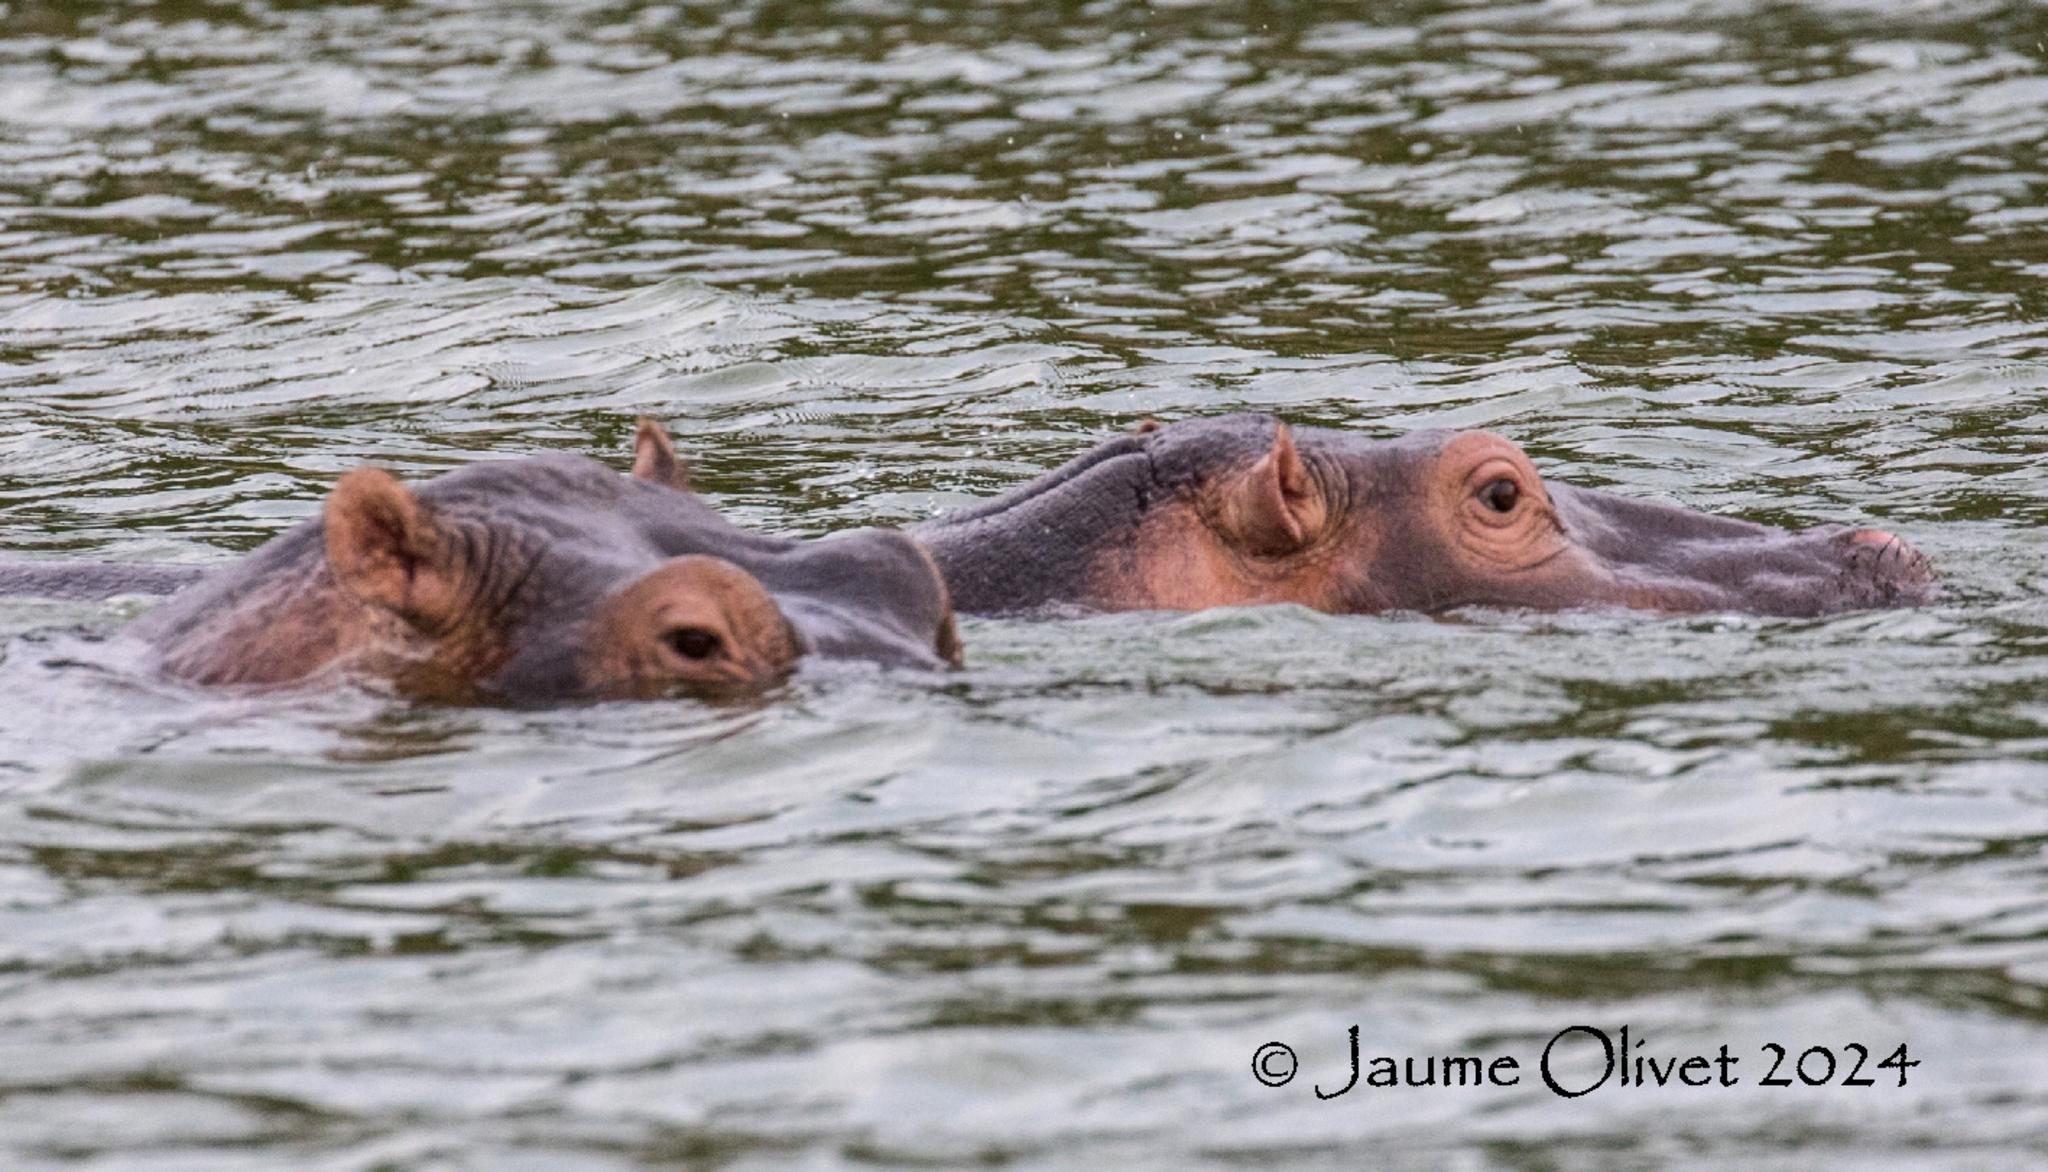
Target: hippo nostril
{"type": "Point", "coordinates": [693, 642]}
{"type": "Point", "coordinates": [1888, 564]}
{"type": "Point", "coordinates": [1888, 549]}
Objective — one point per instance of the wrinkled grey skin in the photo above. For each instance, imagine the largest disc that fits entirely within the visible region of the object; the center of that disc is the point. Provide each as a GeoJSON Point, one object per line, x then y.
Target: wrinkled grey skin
{"type": "Point", "coordinates": [553, 536]}
{"type": "Point", "coordinates": [1081, 535]}
{"type": "Point", "coordinates": [1680, 560]}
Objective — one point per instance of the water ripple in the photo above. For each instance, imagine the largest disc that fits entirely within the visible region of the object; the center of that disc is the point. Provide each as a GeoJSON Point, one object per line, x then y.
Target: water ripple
{"type": "Point", "coordinates": [870, 261]}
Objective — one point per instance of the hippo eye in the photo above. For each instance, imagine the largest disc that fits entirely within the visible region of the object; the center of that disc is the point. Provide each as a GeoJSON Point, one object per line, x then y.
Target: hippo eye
{"type": "Point", "coordinates": [1501, 495]}
{"type": "Point", "coordinates": [694, 642]}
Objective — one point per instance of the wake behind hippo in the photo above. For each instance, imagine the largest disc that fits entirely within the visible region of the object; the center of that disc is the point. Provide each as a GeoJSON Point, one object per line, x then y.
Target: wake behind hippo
{"type": "Point", "coordinates": [543, 579]}
{"type": "Point", "coordinates": [1242, 509]}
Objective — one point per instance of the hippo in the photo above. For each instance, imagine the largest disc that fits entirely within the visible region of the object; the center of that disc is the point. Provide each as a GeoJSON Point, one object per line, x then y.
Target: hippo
{"type": "Point", "coordinates": [545, 579]}
{"type": "Point", "coordinates": [94, 580]}
{"type": "Point", "coordinates": [1240, 510]}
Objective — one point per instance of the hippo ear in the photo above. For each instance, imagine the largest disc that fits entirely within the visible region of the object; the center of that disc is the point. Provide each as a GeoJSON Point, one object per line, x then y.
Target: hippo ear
{"type": "Point", "coordinates": [386, 548]}
{"type": "Point", "coordinates": [1274, 508]}
{"type": "Point", "coordinates": [654, 457]}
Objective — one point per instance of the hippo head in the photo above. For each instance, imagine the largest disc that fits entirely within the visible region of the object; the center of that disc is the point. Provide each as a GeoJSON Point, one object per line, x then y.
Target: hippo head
{"type": "Point", "coordinates": [551, 578]}
{"type": "Point", "coordinates": [1243, 510]}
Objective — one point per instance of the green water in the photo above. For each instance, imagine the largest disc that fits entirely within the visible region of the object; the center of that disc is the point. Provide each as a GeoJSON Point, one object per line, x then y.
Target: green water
{"type": "Point", "coordinates": [870, 260]}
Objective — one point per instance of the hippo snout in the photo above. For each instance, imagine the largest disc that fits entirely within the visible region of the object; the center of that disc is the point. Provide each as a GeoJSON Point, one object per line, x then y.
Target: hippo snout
{"type": "Point", "coordinates": [1888, 568]}
{"type": "Point", "coordinates": [1794, 574]}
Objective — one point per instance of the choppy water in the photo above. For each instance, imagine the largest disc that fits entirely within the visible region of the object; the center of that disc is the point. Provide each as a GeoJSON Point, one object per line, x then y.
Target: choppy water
{"type": "Point", "coordinates": [870, 260]}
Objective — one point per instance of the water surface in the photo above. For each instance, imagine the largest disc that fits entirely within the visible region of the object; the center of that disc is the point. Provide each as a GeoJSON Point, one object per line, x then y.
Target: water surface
{"type": "Point", "coordinates": [869, 261]}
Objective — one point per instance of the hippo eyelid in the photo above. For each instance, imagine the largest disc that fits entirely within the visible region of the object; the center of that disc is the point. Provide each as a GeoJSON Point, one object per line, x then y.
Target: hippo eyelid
{"type": "Point", "coordinates": [1484, 478]}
